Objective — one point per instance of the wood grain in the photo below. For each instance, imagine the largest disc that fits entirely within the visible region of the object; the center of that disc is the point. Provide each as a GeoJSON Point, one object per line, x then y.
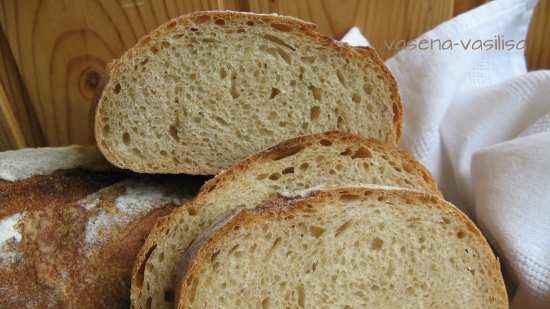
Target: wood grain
{"type": "Point", "coordinates": [18, 125]}
{"type": "Point", "coordinates": [538, 40]}
{"type": "Point", "coordinates": [380, 21]}
{"type": "Point", "coordinates": [61, 48]}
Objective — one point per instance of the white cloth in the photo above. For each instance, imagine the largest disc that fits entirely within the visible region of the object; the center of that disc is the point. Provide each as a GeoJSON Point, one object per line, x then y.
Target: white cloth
{"type": "Point", "coordinates": [481, 123]}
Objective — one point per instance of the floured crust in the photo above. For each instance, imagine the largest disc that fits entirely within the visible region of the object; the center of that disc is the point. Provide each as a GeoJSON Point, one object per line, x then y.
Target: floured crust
{"type": "Point", "coordinates": [282, 23]}
{"type": "Point", "coordinates": [24, 163]}
{"type": "Point", "coordinates": [273, 153]}
{"type": "Point", "coordinates": [206, 243]}
{"type": "Point", "coordinates": [78, 233]}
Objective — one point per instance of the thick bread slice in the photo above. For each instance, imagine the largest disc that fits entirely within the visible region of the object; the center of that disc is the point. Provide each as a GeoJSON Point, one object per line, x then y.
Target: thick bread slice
{"type": "Point", "coordinates": [345, 248]}
{"type": "Point", "coordinates": [206, 90]}
{"type": "Point", "coordinates": [328, 159]}
{"type": "Point", "coordinates": [69, 234]}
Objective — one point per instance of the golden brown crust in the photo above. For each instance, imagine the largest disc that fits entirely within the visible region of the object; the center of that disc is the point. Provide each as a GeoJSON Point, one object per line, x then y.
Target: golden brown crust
{"type": "Point", "coordinates": [54, 268]}
{"type": "Point", "coordinates": [284, 207]}
{"type": "Point", "coordinates": [281, 23]}
{"type": "Point", "coordinates": [276, 152]}
{"type": "Point", "coordinates": [42, 190]}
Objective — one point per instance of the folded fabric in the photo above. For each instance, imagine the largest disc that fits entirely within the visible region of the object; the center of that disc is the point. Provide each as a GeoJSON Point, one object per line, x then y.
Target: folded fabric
{"type": "Point", "coordinates": [481, 124]}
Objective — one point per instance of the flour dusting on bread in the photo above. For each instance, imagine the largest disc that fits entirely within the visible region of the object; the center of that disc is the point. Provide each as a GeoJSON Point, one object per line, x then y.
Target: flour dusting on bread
{"type": "Point", "coordinates": [21, 164]}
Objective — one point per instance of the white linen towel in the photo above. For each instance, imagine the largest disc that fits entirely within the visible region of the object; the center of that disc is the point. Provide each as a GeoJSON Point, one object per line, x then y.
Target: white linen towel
{"type": "Point", "coordinates": [481, 123]}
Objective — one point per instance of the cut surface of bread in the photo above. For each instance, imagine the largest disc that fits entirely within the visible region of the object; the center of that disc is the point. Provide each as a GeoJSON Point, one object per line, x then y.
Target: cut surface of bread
{"type": "Point", "coordinates": [206, 90]}
{"type": "Point", "coordinates": [326, 159]}
{"type": "Point", "coordinates": [69, 234]}
{"type": "Point", "coordinates": [344, 248]}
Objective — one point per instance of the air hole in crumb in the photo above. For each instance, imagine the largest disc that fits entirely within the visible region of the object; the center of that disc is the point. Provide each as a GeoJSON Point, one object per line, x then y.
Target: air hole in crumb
{"type": "Point", "coordinates": [169, 296]}
{"type": "Point", "coordinates": [301, 296]}
{"type": "Point", "coordinates": [117, 89]}
{"type": "Point", "coordinates": [148, 303]}
{"type": "Point", "coordinates": [278, 41]}
{"type": "Point", "coordinates": [314, 113]}
{"type": "Point", "coordinates": [106, 129]}
{"type": "Point", "coordinates": [261, 176]}
{"type": "Point", "coordinates": [274, 176]}
{"type": "Point", "coordinates": [376, 244]}
{"type": "Point", "coordinates": [340, 77]}
{"type": "Point", "coordinates": [309, 60]}
{"type": "Point", "coordinates": [317, 231]}
{"type": "Point", "coordinates": [315, 92]}
{"type": "Point", "coordinates": [233, 90]}
{"type": "Point", "coordinates": [325, 142]}
{"type": "Point", "coordinates": [361, 153]}
{"type": "Point", "coordinates": [173, 132]}
{"type": "Point", "coordinates": [274, 92]}
{"type": "Point", "coordinates": [163, 153]}
{"type": "Point", "coordinates": [266, 304]}
{"type": "Point", "coordinates": [220, 22]}
{"type": "Point", "coordinates": [367, 88]}
{"type": "Point", "coordinates": [342, 228]}
{"type": "Point", "coordinates": [288, 170]}
{"type": "Point", "coordinates": [339, 122]}
{"type": "Point", "coordinates": [304, 166]}
{"type": "Point", "coordinates": [192, 211]}
{"type": "Point", "coordinates": [223, 73]}
{"type": "Point", "coordinates": [250, 23]}
{"type": "Point", "coordinates": [460, 234]}
{"type": "Point", "coordinates": [356, 98]}
{"type": "Point", "coordinates": [126, 138]}
{"type": "Point", "coordinates": [346, 152]}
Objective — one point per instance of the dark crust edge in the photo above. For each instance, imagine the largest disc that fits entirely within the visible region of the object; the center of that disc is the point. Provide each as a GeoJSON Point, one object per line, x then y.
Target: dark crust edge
{"type": "Point", "coordinates": [292, 23]}
{"type": "Point", "coordinates": [205, 243]}
{"type": "Point", "coordinates": [266, 156]}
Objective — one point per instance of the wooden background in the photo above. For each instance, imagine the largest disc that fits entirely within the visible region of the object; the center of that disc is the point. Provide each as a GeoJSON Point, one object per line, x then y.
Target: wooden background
{"type": "Point", "coordinates": [53, 52]}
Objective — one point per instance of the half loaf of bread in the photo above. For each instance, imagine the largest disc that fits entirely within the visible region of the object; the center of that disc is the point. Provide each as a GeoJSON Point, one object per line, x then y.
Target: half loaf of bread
{"type": "Point", "coordinates": [206, 90]}
{"type": "Point", "coordinates": [345, 248]}
{"type": "Point", "coordinates": [328, 159]}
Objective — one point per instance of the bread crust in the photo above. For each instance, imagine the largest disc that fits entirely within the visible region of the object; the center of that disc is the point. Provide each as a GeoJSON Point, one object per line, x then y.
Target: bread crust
{"type": "Point", "coordinates": [275, 152]}
{"type": "Point", "coordinates": [52, 268]}
{"type": "Point", "coordinates": [204, 245]}
{"type": "Point", "coordinates": [283, 23]}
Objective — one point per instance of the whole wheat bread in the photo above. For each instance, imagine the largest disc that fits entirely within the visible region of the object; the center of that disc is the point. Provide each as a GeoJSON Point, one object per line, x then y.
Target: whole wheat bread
{"type": "Point", "coordinates": [328, 159]}
{"type": "Point", "coordinates": [346, 248]}
{"type": "Point", "coordinates": [206, 90]}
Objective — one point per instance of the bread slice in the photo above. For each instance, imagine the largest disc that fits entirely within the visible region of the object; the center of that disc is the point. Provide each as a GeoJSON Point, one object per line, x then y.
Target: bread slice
{"type": "Point", "coordinates": [328, 159]}
{"type": "Point", "coordinates": [206, 90]}
{"type": "Point", "coordinates": [70, 231]}
{"type": "Point", "coordinates": [345, 248]}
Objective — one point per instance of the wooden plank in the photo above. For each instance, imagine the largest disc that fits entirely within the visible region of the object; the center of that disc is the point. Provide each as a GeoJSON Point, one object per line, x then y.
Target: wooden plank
{"type": "Point", "coordinates": [61, 48]}
{"type": "Point", "coordinates": [462, 6]}
{"type": "Point", "coordinates": [380, 21]}
{"type": "Point", "coordinates": [18, 125]}
{"type": "Point", "coordinates": [538, 40]}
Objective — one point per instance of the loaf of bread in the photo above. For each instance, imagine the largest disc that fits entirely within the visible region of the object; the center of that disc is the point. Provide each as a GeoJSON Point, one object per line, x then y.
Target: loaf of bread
{"type": "Point", "coordinates": [329, 159]}
{"type": "Point", "coordinates": [345, 248]}
{"type": "Point", "coordinates": [71, 226]}
{"type": "Point", "coordinates": [206, 90]}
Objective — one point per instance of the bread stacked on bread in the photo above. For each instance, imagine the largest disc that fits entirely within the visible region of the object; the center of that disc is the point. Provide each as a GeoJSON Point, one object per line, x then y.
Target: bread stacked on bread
{"type": "Point", "coordinates": [343, 248]}
{"type": "Point", "coordinates": [312, 206]}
